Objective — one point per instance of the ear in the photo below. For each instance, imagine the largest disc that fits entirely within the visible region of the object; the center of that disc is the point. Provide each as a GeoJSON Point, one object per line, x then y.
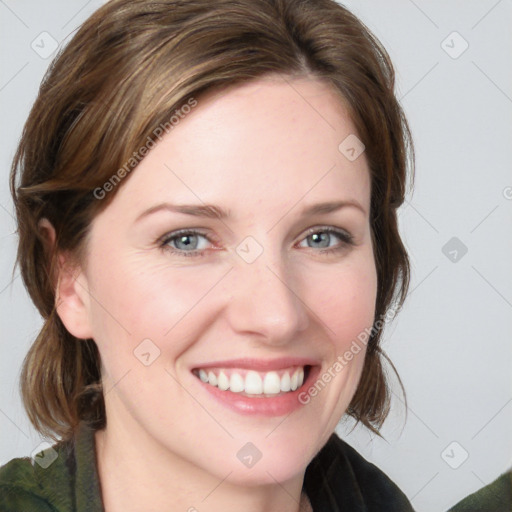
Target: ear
{"type": "Point", "coordinates": [72, 298]}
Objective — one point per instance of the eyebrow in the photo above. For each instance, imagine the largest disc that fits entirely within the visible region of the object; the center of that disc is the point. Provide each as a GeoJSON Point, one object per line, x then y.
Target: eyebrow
{"type": "Point", "coordinates": [212, 211]}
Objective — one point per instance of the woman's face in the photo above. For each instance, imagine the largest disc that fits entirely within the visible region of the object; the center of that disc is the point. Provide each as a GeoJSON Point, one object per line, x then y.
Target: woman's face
{"type": "Point", "coordinates": [174, 296]}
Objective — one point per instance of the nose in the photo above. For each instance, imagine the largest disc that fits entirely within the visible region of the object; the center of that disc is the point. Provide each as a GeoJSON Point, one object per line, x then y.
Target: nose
{"type": "Point", "coordinates": [264, 301]}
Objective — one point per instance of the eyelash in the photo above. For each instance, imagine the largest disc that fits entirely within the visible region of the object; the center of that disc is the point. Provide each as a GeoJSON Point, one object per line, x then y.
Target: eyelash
{"type": "Point", "coordinates": [345, 237]}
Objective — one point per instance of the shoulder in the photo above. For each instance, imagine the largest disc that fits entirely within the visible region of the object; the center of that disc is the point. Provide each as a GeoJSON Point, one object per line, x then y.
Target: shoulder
{"type": "Point", "coordinates": [39, 484]}
{"type": "Point", "coordinates": [495, 496]}
{"type": "Point", "coordinates": [376, 486]}
{"type": "Point", "coordinates": [348, 480]}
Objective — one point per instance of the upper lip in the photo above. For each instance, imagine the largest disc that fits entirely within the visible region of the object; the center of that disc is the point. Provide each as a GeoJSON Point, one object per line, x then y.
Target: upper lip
{"type": "Point", "coordinates": [260, 364]}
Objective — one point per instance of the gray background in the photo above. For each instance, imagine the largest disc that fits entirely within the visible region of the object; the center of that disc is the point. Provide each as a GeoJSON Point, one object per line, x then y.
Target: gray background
{"type": "Point", "coordinates": [451, 343]}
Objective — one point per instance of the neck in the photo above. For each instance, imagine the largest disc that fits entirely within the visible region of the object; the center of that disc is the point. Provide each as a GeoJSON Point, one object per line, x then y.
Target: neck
{"type": "Point", "coordinates": [137, 473]}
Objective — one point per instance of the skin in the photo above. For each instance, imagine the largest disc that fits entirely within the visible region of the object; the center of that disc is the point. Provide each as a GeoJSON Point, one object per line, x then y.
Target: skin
{"type": "Point", "coordinates": [264, 150]}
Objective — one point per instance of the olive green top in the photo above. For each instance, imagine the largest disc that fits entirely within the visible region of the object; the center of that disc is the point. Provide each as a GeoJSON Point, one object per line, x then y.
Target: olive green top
{"type": "Point", "coordinates": [495, 497]}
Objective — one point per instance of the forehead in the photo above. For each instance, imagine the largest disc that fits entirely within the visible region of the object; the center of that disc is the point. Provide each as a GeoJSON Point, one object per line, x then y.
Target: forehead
{"type": "Point", "coordinates": [265, 144]}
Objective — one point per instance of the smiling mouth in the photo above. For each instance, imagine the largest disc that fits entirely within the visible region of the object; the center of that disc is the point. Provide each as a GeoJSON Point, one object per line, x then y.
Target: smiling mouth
{"type": "Point", "coordinates": [254, 383]}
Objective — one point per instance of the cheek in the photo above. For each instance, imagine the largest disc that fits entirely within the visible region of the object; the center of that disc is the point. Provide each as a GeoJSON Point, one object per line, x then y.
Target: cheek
{"type": "Point", "coordinates": [347, 304]}
{"type": "Point", "coordinates": [135, 301]}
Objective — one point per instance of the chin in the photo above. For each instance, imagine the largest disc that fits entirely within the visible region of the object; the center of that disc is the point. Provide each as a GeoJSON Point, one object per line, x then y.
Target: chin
{"type": "Point", "coordinates": [276, 457]}
{"type": "Point", "coordinates": [266, 474]}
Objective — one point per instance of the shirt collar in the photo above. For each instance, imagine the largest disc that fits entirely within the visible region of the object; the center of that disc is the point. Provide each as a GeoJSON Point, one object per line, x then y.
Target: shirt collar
{"type": "Point", "coordinates": [87, 485]}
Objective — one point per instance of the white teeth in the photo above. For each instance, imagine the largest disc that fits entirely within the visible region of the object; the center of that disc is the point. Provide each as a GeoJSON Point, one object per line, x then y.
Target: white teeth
{"type": "Point", "coordinates": [223, 382]}
{"type": "Point", "coordinates": [212, 378]}
{"type": "Point", "coordinates": [285, 382]}
{"type": "Point", "coordinates": [294, 380]}
{"type": "Point", "coordinates": [271, 384]}
{"type": "Point", "coordinates": [301, 377]}
{"type": "Point", "coordinates": [236, 383]}
{"type": "Point", "coordinates": [297, 379]}
{"type": "Point", "coordinates": [254, 383]}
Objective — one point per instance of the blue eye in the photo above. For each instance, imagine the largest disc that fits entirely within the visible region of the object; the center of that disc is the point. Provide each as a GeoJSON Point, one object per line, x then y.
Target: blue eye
{"type": "Point", "coordinates": [184, 243]}
{"type": "Point", "coordinates": [187, 242]}
{"type": "Point", "coordinates": [323, 236]}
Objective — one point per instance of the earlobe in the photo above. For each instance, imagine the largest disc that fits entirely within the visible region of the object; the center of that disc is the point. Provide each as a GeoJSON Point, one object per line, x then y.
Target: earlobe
{"type": "Point", "coordinates": [71, 290]}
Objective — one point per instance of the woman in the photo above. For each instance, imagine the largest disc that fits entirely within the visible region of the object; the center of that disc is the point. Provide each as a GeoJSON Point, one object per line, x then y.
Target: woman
{"type": "Point", "coordinates": [206, 196]}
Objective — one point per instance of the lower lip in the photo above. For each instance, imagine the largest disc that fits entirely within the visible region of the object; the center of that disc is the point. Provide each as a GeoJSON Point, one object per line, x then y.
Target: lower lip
{"type": "Point", "coordinates": [279, 405]}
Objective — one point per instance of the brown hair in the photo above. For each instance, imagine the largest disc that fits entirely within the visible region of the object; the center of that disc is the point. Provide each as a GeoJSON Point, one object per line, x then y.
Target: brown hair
{"type": "Point", "coordinates": [127, 70]}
